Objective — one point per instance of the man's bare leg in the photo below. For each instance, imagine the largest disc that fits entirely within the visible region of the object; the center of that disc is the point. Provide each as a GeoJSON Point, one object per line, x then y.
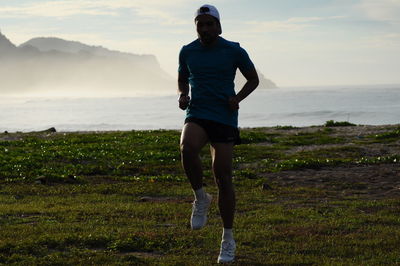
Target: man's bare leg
{"type": "Point", "coordinates": [193, 139]}
{"type": "Point", "coordinates": [222, 154]}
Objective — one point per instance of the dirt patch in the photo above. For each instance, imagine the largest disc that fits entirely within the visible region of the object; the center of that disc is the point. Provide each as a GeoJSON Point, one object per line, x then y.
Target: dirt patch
{"type": "Point", "coordinates": [142, 255]}
{"type": "Point", "coordinates": [164, 199]}
{"type": "Point", "coordinates": [373, 149]}
{"type": "Point", "coordinates": [348, 131]}
{"type": "Point", "coordinates": [371, 181]}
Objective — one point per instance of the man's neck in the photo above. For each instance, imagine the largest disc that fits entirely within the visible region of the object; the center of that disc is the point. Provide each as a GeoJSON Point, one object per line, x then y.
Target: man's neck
{"type": "Point", "coordinates": [211, 44]}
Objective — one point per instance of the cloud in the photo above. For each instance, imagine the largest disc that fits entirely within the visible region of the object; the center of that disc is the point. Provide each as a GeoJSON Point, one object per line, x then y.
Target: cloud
{"type": "Point", "coordinates": [274, 26]}
{"type": "Point", "coordinates": [157, 10]}
{"type": "Point", "coordinates": [312, 19]}
{"type": "Point", "coordinates": [54, 9]}
{"type": "Point", "coordinates": [382, 10]}
{"type": "Point", "coordinates": [289, 25]}
{"type": "Point", "coordinates": [389, 40]}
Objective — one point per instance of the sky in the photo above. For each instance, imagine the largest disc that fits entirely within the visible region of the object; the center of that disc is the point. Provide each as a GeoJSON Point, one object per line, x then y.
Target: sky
{"type": "Point", "coordinates": [292, 42]}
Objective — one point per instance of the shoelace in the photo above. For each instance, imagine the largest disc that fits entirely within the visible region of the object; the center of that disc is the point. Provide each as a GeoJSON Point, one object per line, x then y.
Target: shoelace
{"type": "Point", "coordinates": [228, 249]}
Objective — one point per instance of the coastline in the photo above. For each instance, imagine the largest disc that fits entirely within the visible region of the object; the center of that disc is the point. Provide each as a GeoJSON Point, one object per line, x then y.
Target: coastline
{"type": "Point", "coordinates": [359, 130]}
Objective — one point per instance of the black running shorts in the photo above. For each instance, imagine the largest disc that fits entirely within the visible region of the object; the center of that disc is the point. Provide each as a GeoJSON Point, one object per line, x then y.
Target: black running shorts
{"type": "Point", "coordinates": [217, 132]}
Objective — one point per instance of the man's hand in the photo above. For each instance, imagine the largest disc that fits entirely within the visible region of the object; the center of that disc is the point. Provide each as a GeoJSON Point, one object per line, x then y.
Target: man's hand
{"type": "Point", "coordinates": [184, 101]}
{"type": "Point", "coordinates": [233, 103]}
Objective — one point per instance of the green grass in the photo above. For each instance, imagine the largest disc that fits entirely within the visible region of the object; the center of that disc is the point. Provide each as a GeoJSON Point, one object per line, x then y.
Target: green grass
{"type": "Point", "coordinates": [319, 137]}
{"type": "Point", "coordinates": [64, 157]}
{"type": "Point", "coordinates": [121, 198]}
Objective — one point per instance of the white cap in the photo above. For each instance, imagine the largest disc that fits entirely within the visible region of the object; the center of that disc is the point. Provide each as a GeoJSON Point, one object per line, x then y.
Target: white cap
{"type": "Point", "coordinates": [207, 10]}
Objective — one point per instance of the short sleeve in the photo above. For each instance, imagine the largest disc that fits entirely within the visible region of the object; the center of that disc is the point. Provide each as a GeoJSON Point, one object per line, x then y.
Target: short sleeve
{"type": "Point", "coordinates": [244, 62]}
{"type": "Point", "coordinates": [182, 68]}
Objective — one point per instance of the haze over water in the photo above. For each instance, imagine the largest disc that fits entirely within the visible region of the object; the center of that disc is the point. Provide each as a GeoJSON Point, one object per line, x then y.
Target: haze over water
{"type": "Point", "coordinates": [285, 106]}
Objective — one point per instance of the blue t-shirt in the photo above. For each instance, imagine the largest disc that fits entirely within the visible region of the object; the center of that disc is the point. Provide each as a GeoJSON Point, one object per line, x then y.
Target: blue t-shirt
{"type": "Point", "coordinates": [211, 72]}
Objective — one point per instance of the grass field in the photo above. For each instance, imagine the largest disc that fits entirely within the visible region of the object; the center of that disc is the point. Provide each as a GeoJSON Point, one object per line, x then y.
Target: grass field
{"type": "Point", "coordinates": [324, 195]}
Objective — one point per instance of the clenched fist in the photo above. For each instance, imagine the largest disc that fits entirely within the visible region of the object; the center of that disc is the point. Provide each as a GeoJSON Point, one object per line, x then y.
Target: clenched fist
{"type": "Point", "coordinates": [184, 101]}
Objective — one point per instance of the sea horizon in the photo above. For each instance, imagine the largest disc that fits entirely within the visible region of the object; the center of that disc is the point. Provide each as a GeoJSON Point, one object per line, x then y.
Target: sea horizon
{"type": "Point", "coordinates": [294, 106]}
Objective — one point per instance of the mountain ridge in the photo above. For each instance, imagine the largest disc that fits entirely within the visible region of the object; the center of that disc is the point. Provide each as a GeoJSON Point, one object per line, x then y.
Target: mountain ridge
{"type": "Point", "coordinates": [46, 65]}
{"type": "Point", "coordinates": [5, 44]}
{"type": "Point", "coordinates": [46, 44]}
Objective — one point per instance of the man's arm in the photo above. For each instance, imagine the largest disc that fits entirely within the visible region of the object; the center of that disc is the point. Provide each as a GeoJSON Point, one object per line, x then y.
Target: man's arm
{"type": "Point", "coordinates": [249, 87]}
{"type": "Point", "coordinates": [183, 90]}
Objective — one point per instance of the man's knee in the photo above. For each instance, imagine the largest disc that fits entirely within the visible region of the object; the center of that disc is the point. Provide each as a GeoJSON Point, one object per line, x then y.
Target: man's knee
{"type": "Point", "coordinates": [222, 170]}
{"type": "Point", "coordinates": [224, 182]}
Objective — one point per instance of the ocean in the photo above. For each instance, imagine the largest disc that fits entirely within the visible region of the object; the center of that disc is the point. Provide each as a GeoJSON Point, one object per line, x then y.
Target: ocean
{"type": "Point", "coordinates": [368, 105]}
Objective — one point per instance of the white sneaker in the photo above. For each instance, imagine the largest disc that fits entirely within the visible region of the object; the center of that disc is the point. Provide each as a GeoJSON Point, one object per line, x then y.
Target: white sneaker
{"type": "Point", "coordinates": [227, 253]}
{"type": "Point", "coordinates": [199, 212]}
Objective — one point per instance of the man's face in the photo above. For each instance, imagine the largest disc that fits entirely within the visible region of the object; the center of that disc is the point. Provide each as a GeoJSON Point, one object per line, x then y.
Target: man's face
{"type": "Point", "coordinates": [207, 28]}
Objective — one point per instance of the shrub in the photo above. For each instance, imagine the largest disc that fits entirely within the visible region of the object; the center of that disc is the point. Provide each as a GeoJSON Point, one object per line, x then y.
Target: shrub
{"type": "Point", "coordinates": [332, 123]}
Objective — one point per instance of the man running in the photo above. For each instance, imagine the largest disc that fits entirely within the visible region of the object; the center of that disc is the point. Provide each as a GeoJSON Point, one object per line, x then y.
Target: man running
{"type": "Point", "coordinates": [207, 68]}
